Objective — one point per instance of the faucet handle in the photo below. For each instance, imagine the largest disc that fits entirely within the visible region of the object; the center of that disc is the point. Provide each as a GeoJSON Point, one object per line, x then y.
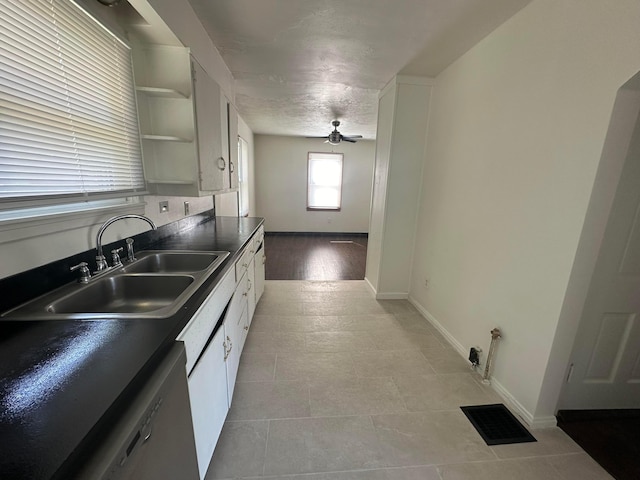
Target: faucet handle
{"type": "Point", "coordinates": [101, 263]}
{"type": "Point", "coordinates": [115, 258]}
{"type": "Point", "coordinates": [85, 274]}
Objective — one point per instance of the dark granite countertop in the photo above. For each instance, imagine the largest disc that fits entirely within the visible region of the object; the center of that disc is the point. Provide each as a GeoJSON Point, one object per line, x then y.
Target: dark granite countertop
{"type": "Point", "coordinates": [63, 382]}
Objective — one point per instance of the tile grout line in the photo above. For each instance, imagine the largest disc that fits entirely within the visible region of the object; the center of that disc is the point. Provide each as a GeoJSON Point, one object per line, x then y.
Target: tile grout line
{"type": "Point", "coordinates": [266, 445]}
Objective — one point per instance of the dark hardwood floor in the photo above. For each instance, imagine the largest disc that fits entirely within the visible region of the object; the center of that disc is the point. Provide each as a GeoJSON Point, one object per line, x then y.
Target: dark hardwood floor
{"type": "Point", "coordinates": [611, 437]}
{"type": "Point", "coordinates": [315, 256]}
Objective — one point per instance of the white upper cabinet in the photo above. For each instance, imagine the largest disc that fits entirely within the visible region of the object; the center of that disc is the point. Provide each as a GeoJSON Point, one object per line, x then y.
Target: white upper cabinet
{"type": "Point", "coordinates": [212, 131]}
{"type": "Point", "coordinates": [233, 146]}
{"type": "Point", "coordinates": [184, 124]}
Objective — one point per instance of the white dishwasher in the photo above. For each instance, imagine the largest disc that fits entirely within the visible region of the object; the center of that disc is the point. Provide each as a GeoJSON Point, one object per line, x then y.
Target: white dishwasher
{"type": "Point", "coordinates": [153, 439]}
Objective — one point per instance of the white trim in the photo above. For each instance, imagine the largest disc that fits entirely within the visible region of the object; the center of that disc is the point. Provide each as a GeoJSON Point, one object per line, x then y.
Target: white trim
{"type": "Point", "coordinates": [414, 80]}
{"type": "Point", "coordinates": [39, 225]}
{"type": "Point", "coordinates": [514, 405]}
{"type": "Point", "coordinates": [370, 285]}
{"type": "Point", "coordinates": [406, 80]}
{"type": "Point", "coordinates": [520, 411]}
{"type": "Point", "coordinates": [386, 295]}
{"type": "Point", "coordinates": [386, 88]}
{"type": "Point", "coordinates": [392, 296]}
{"type": "Point", "coordinates": [443, 331]}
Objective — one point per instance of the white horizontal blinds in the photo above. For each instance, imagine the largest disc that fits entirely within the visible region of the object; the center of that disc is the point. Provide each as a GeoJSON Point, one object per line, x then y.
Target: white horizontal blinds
{"type": "Point", "coordinates": [68, 123]}
{"type": "Point", "coordinates": [324, 189]}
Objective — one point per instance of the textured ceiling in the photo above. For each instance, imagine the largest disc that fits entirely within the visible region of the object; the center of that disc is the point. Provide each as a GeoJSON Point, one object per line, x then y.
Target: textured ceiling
{"type": "Point", "coordinates": [298, 64]}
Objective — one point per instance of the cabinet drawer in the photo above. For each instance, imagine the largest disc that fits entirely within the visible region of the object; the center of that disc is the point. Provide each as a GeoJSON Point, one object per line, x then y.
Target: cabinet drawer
{"type": "Point", "coordinates": [196, 333]}
{"type": "Point", "coordinates": [243, 263]}
{"type": "Point", "coordinates": [258, 239]}
{"type": "Point", "coordinates": [238, 302]}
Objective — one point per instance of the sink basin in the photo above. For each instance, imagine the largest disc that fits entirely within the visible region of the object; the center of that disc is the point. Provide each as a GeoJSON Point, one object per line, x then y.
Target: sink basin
{"type": "Point", "coordinates": [124, 294]}
{"type": "Point", "coordinates": [173, 262]}
{"type": "Point", "coordinates": [155, 285]}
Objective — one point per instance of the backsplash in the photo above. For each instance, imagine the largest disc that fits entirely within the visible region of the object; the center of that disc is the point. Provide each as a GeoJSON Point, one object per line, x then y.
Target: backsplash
{"type": "Point", "coordinates": [24, 286]}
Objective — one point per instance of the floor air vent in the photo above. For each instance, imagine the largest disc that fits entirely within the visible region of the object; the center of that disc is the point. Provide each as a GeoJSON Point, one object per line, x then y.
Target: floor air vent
{"type": "Point", "coordinates": [497, 425]}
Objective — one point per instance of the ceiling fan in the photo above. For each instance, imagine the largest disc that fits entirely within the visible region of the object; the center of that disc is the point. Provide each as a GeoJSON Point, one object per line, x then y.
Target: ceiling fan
{"type": "Point", "coordinates": [335, 137]}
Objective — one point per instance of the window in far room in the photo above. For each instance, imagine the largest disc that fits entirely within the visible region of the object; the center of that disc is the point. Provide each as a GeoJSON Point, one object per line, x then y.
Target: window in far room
{"type": "Point", "coordinates": [324, 181]}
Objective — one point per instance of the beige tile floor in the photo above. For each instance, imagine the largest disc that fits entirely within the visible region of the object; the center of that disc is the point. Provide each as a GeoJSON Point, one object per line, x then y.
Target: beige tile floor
{"type": "Point", "coordinates": [334, 385]}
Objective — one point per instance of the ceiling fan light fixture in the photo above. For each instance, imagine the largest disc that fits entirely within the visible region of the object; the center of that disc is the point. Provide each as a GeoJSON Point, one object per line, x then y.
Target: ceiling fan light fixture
{"type": "Point", "coordinates": [335, 137]}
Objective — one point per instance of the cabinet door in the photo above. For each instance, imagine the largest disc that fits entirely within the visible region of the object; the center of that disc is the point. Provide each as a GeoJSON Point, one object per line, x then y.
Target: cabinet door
{"type": "Point", "coordinates": [260, 260]}
{"type": "Point", "coordinates": [234, 343]}
{"type": "Point", "coordinates": [211, 130]}
{"type": "Point", "coordinates": [223, 113]}
{"type": "Point", "coordinates": [208, 398]}
{"type": "Point", "coordinates": [243, 326]}
{"type": "Point", "coordinates": [251, 280]}
{"type": "Point", "coordinates": [233, 146]}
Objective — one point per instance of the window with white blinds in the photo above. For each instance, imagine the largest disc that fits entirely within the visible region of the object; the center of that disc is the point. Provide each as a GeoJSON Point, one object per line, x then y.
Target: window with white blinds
{"type": "Point", "coordinates": [324, 181]}
{"type": "Point", "coordinates": [68, 118]}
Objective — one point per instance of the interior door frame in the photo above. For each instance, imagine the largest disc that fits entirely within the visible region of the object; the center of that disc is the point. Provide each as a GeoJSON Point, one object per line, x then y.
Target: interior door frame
{"type": "Point", "coordinates": [625, 115]}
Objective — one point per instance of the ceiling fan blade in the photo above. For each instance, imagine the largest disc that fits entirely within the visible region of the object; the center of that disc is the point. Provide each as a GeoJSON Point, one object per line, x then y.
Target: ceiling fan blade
{"type": "Point", "coordinates": [348, 139]}
{"type": "Point", "coordinates": [353, 136]}
{"type": "Point", "coordinates": [323, 136]}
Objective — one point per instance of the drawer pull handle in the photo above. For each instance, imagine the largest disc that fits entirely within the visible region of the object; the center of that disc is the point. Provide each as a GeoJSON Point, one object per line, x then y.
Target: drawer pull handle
{"type": "Point", "coordinates": [227, 351]}
{"type": "Point", "coordinates": [249, 289]}
{"type": "Point", "coordinates": [246, 327]}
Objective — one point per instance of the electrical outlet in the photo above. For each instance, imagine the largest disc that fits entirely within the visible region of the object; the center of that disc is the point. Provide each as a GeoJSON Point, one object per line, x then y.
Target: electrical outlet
{"type": "Point", "coordinates": [426, 283]}
{"type": "Point", "coordinates": [164, 206]}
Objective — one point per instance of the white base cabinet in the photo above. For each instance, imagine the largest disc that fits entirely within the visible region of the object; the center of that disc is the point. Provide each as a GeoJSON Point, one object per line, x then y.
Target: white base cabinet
{"type": "Point", "coordinates": [234, 337]}
{"type": "Point", "coordinates": [213, 362]}
{"type": "Point", "coordinates": [259, 264]}
{"type": "Point", "coordinates": [208, 397]}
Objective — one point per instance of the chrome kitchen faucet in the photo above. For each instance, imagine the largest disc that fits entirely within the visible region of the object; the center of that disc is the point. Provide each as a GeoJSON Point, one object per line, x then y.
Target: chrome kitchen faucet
{"type": "Point", "coordinates": [100, 259]}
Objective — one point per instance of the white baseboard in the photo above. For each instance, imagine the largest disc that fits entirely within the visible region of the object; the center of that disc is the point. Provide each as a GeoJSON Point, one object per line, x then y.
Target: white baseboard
{"type": "Point", "coordinates": [438, 326]}
{"type": "Point", "coordinates": [392, 296]}
{"type": "Point", "coordinates": [514, 405]}
{"type": "Point", "coordinates": [373, 290]}
{"type": "Point", "coordinates": [386, 295]}
{"type": "Point", "coordinates": [520, 411]}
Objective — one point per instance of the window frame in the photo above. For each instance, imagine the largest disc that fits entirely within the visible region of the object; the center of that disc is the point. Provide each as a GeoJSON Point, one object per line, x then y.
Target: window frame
{"type": "Point", "coordinates": [24, 205]}
{"type": "Point", "coordinates": [339, 156]}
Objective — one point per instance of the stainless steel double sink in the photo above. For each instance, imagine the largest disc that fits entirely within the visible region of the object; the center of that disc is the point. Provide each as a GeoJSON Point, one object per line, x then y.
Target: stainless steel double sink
{"type": "Point", "coordinates": [156, 285]}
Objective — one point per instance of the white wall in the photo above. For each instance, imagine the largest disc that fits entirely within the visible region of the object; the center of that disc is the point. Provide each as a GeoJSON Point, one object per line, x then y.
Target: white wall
{"type": "Point", "coordinates": [402, 123]}
{"type": "Point", "coordinates": [516, 130]}
{"type": "Point", "coordinates": [384, 132]}
{"type": "Point", "coordinates": [281, 185]}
